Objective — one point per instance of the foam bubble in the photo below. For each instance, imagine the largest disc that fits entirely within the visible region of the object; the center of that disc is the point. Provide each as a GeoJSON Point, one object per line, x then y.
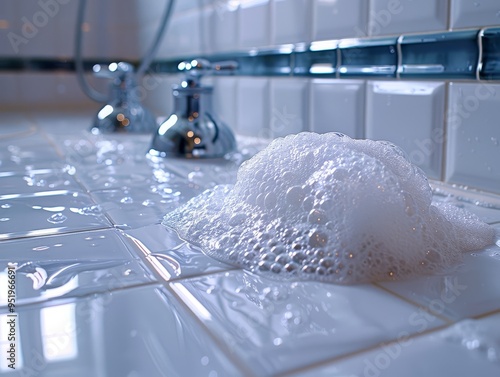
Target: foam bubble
{"type": "Point", "coordinates": [330, 208]}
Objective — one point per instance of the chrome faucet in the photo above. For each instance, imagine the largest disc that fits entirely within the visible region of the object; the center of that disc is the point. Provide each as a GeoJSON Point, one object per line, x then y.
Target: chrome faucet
{"type": "Point", "coordinates": [193, 130]}
{"type": "Point", "coordinates": [124, 111]}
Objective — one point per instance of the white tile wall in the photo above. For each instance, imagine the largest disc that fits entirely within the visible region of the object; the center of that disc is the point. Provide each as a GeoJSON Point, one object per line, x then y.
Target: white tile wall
{"type": "Point", "coordinates": [403, 16]}
{"type": "Point", "coordinates": [338, 19]}
{"type": "Point", "coordinates": [288, 113]}
{"type": "Point", "coordinates": [288, 24]}
{"type": "Point", "coordinates": [466, 13]}
{"type": "Point", "coordinates": [338, 105]}
{"type": "Point", "coordinates": [409, 114]}
{"type": "Point", "coordinates": [473, 142]}
{"type": "Point", "coordinates": [253, 106]}
{"type": "Point", "coordinates": [254, 26]}
{"type": "Point", "coordinates": [224, 26]}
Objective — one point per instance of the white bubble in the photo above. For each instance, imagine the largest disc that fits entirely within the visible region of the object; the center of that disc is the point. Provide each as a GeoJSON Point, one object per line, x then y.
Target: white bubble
{"type": "Point", "coordinates": [330, 208]}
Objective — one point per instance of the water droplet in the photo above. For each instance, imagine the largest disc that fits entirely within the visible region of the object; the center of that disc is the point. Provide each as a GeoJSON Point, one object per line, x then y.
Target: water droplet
{"type": "Point", "coordinates": [205, 360]}
{"type": "Point", "coordinates": [40, 248]}
{"type": "Point", "coordinates": [495, 141]}
{"type": "Point", "coordinates": [148, 203]}
{"type": "Point", "coordinates": [277, 341]}
{"type": "Point", "coordinates": [57, 218]}
{"type": "Point", "coordinates": [127, 200]}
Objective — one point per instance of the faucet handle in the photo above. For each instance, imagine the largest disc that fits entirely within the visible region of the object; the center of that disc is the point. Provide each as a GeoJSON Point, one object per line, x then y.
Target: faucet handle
{"type": "Point", "coordinates": [113, 70]}
{"type": "Point", "coordinates": [197, 68]}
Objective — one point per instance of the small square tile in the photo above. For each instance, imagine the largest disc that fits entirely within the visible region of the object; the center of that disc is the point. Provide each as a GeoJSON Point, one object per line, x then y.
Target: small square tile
{"type": "Point", "coordinates": [71, 265]}
{"type": "Point", "coordinates": [107, 334]}
{"type": "Point", "coordinates": [473, 144]}
{"type": "Point", "coordinates": [274, 327]}
{"type": "Point", "coordinates": [338, 105]}
{"type": "Point", "coordinates": [472, 290]}
{"type": "Point", "coordinates": [170, 256]}
{"type": "Point", "coordinates": [254, 24]}
{"type": "Point", "coordinates": [253, 106]}
{"type": "Point", "coordinates": [482, 13]}
{"type": "Point", "coordinates": [184, 35]}
{"type": "Point", "coordinates": [405, 16]}
{"type": "Point", "coordinates": [464, 349]}
{"type": "Point", "coordinates": [288, 24]}
{"type": "Point", "coordinates": [409, 114]}
{"type": "Point", "coordinates": [224, 26]}
{"type": "Point", "coordinates": [339, 19]}
{"type": "Point", "coordinates": [289, 98]}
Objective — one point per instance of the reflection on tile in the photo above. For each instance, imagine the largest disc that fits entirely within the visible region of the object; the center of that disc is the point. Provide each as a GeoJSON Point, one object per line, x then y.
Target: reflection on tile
{"type": "Point", "coordinates": [470, 291]}
{"type": "Point", "coordinates": [276, 326]}
{"type": "Point", "coordinates": [473, 145]}
{"type": "Point", "coordinates": [113, 339]}
{"type": "Point", "coordinates": [48, 212]}
{"type": "Point", "coordinates": [40, 280]}
{"type": "Point", "coordinates": [136, 207]}
{"type": "Point", "coordinates": [35, 180]}
{"type": "Point", "coordinates": [171, 256]}
{"type": "Point", "coordinates": [468, 348]}
{"type": "Point", "coordinates": [71, 265]}
{"type": "Point", "coordinates": [338, 105]}
{"type": "Point", "coordinates": [391, 17]}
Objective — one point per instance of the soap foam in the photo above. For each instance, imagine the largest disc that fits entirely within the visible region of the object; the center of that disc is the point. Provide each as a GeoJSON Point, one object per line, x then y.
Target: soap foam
{"type": "Point", "coordinates": [330, 208]}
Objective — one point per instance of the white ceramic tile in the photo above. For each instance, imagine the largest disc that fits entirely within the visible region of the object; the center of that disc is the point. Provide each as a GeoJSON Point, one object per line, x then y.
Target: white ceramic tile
{"type": "Point", "coordinates": [276, 326]}
{"type": "Point", "coordinates": [183, 37]}
{"type": "Point", "coordinates": [410, 115]}
{"type": "Point", "coordinates": [466, 13]}
{"type": "Point", "coordinates": [473, 145]}
{"type": "Point", "coordinates": [171, 257]}
{"type": "Point", "coordinates": [225, 100]}
{"type": "Point", "coordinates": [68, 92]}
{"type": "Point", "coordinates": [404, 16]}
{"type": "Point", "coordinates": [338, 105]}
{"type": "Point", "coordinates": [464, 349]}
{"type": "Point", "coordinates": [339, 19]}
{"type": "Point", "coordinates": [158, 93]}
{"type": "Point", "coordinates": [224, 26]}
{"type": "Point", "coordinates": [112, 338]}
{"type": "Point", "coordinates": [253, 106]}
{"type": "Point", "coordinates": [289, 98]}
{"type": "Point", "coordinates": [37, 29]}
{"type": "Point", "coordinates": [470, 291]}
{"type": "Point", "coordinates": [32, 181]}
{"type": "Point", "coordinates": [290, 21]}
{"type": "Point", "coordinates": [8, 25]}
{"type": "Point", "coordinates": [254, 24]}
{"type": "Point", "coordinates": [37, 89]}
{"type": "Point", "coordinates": [9, 95]}
{"type": "Point", "coordinates": [39, 280]}
{"type": "Point", "coordinates": [47, 213]}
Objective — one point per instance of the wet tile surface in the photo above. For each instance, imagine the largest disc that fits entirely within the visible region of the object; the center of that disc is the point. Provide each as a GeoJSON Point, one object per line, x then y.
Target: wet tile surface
{"type": "Point", "coordinates": [103, 289]}
{"type": "Point", "coordinates": [275, 327]}
{"type": "Point", "coordinates": [468, 348]}
{"type": "Point", "coordinates": [103, 335]}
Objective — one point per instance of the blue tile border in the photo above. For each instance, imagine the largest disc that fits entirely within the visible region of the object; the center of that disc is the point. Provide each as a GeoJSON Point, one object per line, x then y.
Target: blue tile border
{"type": "Point", "coordinates": [467, 55]}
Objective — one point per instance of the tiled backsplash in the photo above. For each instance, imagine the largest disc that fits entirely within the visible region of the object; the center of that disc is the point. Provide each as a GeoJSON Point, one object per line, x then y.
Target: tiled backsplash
{"type": "Point", "coordinates": [448, 128]}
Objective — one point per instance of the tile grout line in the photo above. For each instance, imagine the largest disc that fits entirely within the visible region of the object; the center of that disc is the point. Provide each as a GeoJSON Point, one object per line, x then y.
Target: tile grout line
{"type": "Point", "coordinates": [34, 305]}
{"type": "Point", "coordinates": [414, 303]}
{"type": "Point", "coordinates": [237, 362]}
{"type": "Point", "coordinates": [359, 352]}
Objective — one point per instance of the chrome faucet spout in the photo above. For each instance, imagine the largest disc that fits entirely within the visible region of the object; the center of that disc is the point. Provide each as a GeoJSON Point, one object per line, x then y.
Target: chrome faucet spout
{"type": "Point", "coordinates": [193, 130]}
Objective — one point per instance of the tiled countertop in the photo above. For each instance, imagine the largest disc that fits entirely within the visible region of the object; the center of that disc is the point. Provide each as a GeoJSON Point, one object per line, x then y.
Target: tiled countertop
{"type": "Point", "coordinates": [104, 290]}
